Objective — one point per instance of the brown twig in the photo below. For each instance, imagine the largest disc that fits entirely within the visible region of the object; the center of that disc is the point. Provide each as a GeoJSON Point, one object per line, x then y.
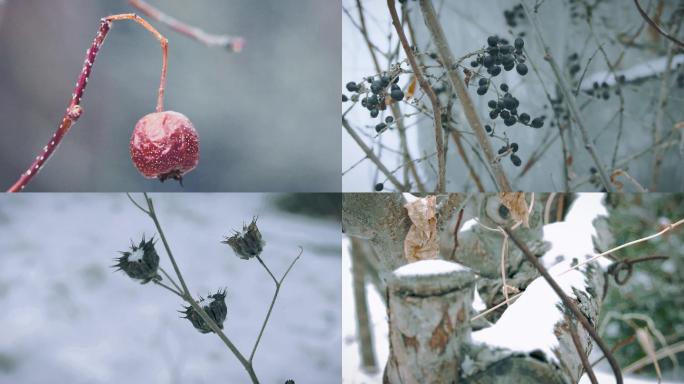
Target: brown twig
{"type": "Point", "coordinates": [455, 135]}
{"type": "Point", "coordinates": [231, 43]}
{"type": "Point", "coordinates": [456, 228]}
{"type": "Point", "coordinates": [425, 86]}
{"type": "Point", "coordinates": [447, 59]}
{"type": "Point", "coordinates": [369, 152]}
{"type": "Point", "coordinates": [580, 351]}
{"type": "Point", "coordinates": [74, 109]}
{"type": "Point", "coordinates": [396, 110]}
{"type": "Point", "coordinates": [655, 25]}
{"type": "Point", "coordinates": [570, 100]}
{"type": "Point", "coordinates": [568, 304]}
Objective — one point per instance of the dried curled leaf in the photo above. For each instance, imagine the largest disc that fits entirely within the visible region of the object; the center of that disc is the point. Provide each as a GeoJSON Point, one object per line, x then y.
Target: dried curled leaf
{"type": "Point", "coordinates": [516, 204]}
{"type": "Point", "coordinates": [422, 239]}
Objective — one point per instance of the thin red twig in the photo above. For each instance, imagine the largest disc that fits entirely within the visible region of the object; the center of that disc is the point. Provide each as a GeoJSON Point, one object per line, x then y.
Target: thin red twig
{"type": "Point", "coordinates": [74, 110]}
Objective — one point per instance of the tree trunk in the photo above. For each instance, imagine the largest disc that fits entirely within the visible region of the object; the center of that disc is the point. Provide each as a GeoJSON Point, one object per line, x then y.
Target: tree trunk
{"type": "Point", "coordinates": [429, 316]}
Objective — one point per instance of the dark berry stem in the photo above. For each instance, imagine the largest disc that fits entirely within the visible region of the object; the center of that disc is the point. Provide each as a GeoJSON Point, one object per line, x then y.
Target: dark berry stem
{"type": "Point", "coordinates": [74, 109]}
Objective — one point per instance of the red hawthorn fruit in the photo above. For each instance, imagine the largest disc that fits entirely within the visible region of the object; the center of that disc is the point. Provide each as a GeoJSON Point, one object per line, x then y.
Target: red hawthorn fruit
{"type": "Point", "coordinates": [164, 145]}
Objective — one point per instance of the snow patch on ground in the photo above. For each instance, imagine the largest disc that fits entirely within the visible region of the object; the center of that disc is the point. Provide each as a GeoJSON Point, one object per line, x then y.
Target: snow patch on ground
{"type": "Point", "coordinates": [428, 267]}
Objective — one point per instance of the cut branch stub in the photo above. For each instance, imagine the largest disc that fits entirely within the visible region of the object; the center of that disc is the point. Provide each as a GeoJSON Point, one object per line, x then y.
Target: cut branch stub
{"type": "Point", "coordinates": [429, 314]}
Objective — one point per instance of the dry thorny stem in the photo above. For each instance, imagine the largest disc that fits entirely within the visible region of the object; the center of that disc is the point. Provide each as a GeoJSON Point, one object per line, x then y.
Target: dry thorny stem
{"type": "Point", "coordinates": [183, 291]}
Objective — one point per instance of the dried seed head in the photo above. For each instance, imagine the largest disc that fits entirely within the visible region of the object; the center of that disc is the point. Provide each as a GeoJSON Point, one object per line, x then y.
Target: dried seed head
{"type": "Point", "coordinates": [164, 145]}
{"type": "Point", "coordinates": [141, 262]}
{"type": "Point", "coordinates": [214, 305]}
{"type": "Point", "coordinates": [247, 243]}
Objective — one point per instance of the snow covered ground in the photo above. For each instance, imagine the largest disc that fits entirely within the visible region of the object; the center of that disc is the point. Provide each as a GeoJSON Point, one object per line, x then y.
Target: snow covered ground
{"type": "Point", "coordinates": [571, 238]}
{"type": "Point", "coordinates": [68, 318]}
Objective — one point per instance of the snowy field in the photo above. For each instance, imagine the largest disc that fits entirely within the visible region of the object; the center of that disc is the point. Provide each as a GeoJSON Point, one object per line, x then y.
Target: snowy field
{"type": "Point", "coordinates": [570, 238]}
{"type": "Point", "coordinates": [68, 318]}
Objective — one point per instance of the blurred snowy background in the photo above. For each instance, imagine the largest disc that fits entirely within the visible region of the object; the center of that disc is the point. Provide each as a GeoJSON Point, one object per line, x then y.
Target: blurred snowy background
{"type": "Point", "coordinates": [569, 238]}
{"type": "Point", "coordinates": [68, 318]}
{"type": "Point", "coordinates": [282, 88]}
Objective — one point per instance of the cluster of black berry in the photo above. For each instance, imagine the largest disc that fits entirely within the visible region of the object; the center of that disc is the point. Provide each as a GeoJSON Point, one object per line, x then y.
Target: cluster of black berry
{"type": "Point", "coordinates": [513, 15]}
{"type": "Point", "coordinates": [602, 91]}
{"type": "Point", "coordinates": [375, 102]}
{"type": "Point", "coordinates": [500, 53]}
{"type": "Point", "coordinates": [560, 111]}
{"type": "Point", "coordinates": [506, 108]}
{"type": "Point", "coordinates": [511, 149]}
{"type": "Point", "coordinates": [599, 91]}
{"type": "Point", "coordinates": [382, 127]}
{"type": "Point", "coordinates": [573, 65]}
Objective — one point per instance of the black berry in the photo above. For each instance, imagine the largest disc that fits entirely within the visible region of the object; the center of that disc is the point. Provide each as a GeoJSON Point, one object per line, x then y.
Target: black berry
{"type": "Point", "coordinates": [389, 119]}
{"type": "Point", "coordinates": [376, 86]}
{"type": "Point", "coordinates": [524, 118]}
{"type": "Point", "coordinates": [537, 122]}
{"type": "Point", "coordinates": [522, 69]}
{"type": "Point", "coordinates": [397, 94]}
{"type": "Point", "coordinates": [379, 187]}
{"type": "Point", "coordinates": [519, 43]}
{"type": "Point", "coordinates": [352, 87]}
{"type": "Point", "coordinates": [380, 127]}
{"type": "Point", "coordinates": [344, 98]}
{"type": "Point", "coordinates": [515, 160]}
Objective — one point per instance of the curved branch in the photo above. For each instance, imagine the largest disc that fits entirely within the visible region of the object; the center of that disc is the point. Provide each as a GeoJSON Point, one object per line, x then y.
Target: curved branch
{"type": "Point", "coordinates": [655, 25]}
{"type": "Point", "coordinates": [74, 109]}
{"type": "Point", "coordinates": [425, 86]}
{"type": "Point", "coordinates": [568, 304]}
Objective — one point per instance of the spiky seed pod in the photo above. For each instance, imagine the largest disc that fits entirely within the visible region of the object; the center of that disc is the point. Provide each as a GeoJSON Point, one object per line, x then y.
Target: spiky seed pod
{"type": "Point", "coordinates": [141, 262]}
{"type": "Point", "coordinates": [214, 305]}
{"type": "Point", "coordinates": [248, 243]}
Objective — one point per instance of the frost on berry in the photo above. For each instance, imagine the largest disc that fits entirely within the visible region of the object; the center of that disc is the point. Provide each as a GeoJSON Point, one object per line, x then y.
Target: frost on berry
{"type": "Point", "coordinates": [164, 145]}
